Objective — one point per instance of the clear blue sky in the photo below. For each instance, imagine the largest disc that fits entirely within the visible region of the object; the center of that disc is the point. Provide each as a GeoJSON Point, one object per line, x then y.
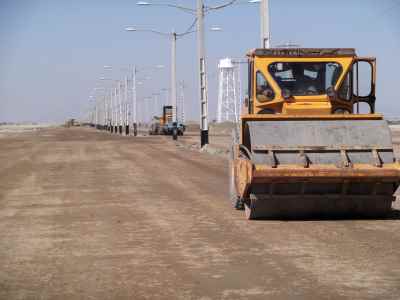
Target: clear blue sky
{"type": "Point", "coordinates": [52, 52]}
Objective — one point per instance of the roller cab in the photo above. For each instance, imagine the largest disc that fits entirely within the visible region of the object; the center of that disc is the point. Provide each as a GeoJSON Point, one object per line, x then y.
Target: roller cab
{"type": "Point", "coordinates": [304, 149]}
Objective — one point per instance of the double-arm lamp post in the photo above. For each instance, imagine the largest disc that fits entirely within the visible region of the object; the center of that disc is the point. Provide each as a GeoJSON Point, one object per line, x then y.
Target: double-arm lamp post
{"type": "Point", "coordinates": [200, 12]}
{"type": "Point", "coordinates": [173, 37]}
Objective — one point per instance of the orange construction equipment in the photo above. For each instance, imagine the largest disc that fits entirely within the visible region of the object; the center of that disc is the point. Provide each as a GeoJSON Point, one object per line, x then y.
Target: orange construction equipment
{"type": "Point", "coordinates": [159, 122]}
{"type": "Point", "coordinates": [303, 148]}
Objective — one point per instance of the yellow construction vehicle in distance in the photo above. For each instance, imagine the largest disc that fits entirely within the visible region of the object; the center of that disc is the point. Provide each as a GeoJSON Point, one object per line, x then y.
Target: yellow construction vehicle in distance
{"type": "Point", "coordinates": [303, 148]}
{"type": "Point", "coordinates": [164, 124]}
{"type": "Point", "coordinates": [159, 123]}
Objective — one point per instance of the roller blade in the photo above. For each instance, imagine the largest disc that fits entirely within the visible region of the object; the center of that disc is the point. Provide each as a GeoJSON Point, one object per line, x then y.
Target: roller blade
{"type": "Point", "coordinates": [319, 169]}
{"type": "Point", "coordinates": [317, 207]}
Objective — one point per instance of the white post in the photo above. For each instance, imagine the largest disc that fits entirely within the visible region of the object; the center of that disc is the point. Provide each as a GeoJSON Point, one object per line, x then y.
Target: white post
{"type": "Point", "coordinates": [115, 108]}
{"type": "Point", "coordinates": [234, 81]}
{"type": "Point", "coordinates": [173, 86]}
{"type": "Point", "coordinates": [240, 92]}
{"type": "Point", "coordinates": [111, 117]}
{"type": "Point", "coordinates": [265, 24]}
{"type": "Point", "coordinates": [105, 110]}
{"type": "Point", "coordinates": [96, 110]}
{"type": "Point", "coordinates": [202, 74]}
{"type": "Point", "coordinates": [220, 93]}
{"type": "Point", "coordinates": [134, 104]}
{"type": "Point", "coordinates": [112, 108]}
{"type": "Point", "coordinates": [157, 105]}
{"type": "Point", "coordinates": [126, 102]}
{"type": "Point", "coordinates": [120, 103]}
{"type": "Point", "coordinates": [148, 113]}
{"type": "Point", "coordinates": [173, 77]}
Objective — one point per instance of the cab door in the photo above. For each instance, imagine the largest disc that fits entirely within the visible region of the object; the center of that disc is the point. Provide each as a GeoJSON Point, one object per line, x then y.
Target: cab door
{"type": "Point", "coordinates": [364, 76]}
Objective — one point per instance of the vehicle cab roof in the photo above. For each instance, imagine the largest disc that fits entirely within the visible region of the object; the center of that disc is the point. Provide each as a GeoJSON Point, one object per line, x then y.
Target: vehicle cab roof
{"type": "Point", "coordinates": [302, 52]}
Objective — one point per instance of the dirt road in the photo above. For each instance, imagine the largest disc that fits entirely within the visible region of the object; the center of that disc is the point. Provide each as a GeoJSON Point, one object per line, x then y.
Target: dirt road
{"type": "Point", "coordinates": [85, 215]}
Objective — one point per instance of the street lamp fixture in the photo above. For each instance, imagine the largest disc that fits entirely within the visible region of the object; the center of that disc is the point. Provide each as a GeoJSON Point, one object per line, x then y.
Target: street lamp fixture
{"type": "Point", "coordinates": [216, 28]}
{"type": "Point", "coordinates": [183, 8]}
{"type": "Point", "coordinates": [130, 28]}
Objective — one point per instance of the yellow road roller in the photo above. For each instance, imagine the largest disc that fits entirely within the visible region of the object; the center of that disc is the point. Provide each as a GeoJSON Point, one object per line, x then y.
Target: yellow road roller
{"type": "Point", "coordinates": [309, 143]}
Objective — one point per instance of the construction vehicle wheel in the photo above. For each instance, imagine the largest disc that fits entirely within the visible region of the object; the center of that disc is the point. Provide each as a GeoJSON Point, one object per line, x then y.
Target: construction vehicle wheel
{"type": "Point", "coordinates": [236, 201]}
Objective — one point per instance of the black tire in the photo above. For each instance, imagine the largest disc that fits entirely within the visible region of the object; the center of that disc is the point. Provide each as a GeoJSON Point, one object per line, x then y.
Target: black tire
{"type": "Point", "coordinates": [175, 133]}
{"type": "Point", "coordinates": [236, 201]}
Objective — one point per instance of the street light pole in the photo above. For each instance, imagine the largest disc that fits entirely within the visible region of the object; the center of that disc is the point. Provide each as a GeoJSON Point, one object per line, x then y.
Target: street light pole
{"type": "Point", "coordinates": [109, 110]}
{"type": "Point", "coordinates": [116, 129]}
{"type": "Point", "coordinates": [134, 102]}
{"type": "Point", "coordinates": [97, 113]}
{"type": "Point", "coordinates": [114, 110]}
{"type": "Point", "coordinates": [105, 116]}
{"type": "Point", "coordinates": [127, 111]}
{"type": "Point", "coordinates": [120, 107]}
{"type": "Point", "coordinates": [200, 11]}
{"type": "Point", "coordinates": [265, 24]}
{"type": "Point", "coordinates": [202, 74]}
{"type": "Point", "coordinates": [111, 129]}
{"type": "Point", "coordinates": [107, 101]}
{"type": "Point", "coordinates": [173, 86]}
{"type": "Point", "coordinates": [173, 35]}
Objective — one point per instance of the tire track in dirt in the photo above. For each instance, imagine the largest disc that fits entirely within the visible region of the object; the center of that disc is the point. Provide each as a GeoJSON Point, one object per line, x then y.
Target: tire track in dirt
{"type": "Point", "coordinates": [331, 248]}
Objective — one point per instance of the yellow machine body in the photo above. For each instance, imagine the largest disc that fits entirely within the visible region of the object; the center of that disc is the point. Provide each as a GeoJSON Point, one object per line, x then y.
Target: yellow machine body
{"type": "Point", "coordinates": [299, 105]}
{"type": "Point", "coordinates": [158, 123]}
{"type": "Point", "coordinates": [167, 115]}
{"type": "Point", "coordinates": [308, 150]}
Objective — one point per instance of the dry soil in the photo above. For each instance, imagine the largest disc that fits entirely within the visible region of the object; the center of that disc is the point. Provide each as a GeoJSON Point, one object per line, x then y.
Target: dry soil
{"type": "Point", "coordinates": [87, 215]}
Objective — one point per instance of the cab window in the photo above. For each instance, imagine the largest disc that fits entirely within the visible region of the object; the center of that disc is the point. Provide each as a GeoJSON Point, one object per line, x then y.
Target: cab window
{"type": "Point", "coordinates": [264, 92]}
{"type": "Point", "coordinates": [346, 91]}
{"type": "Point", "coordinates": [305, 78]}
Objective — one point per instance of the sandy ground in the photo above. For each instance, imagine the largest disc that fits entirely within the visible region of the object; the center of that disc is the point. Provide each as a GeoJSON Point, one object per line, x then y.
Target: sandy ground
{"type": "Point", "coordinates": [86, 215]}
